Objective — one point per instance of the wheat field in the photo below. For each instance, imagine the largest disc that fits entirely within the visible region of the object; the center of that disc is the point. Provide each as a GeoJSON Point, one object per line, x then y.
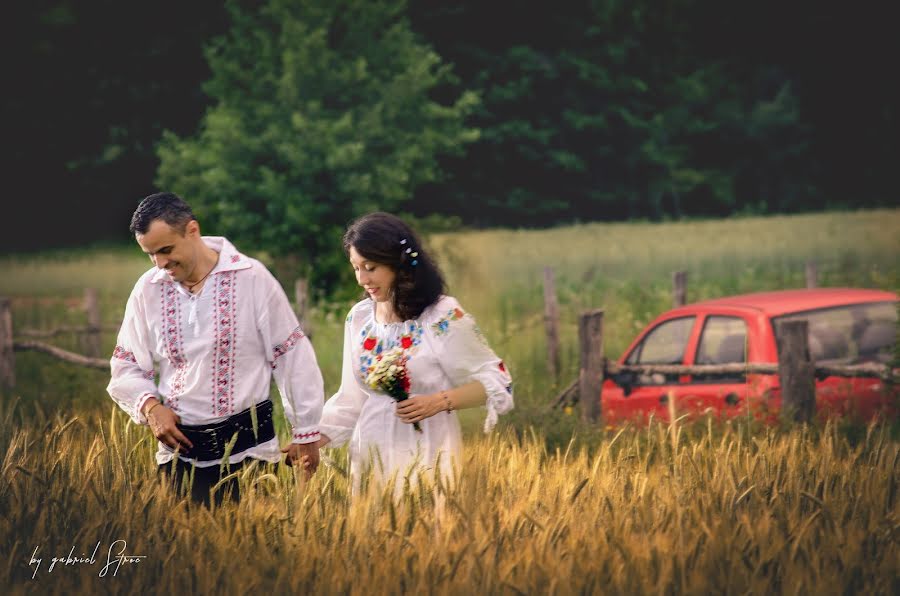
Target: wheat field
{"type": "Point", "coordinates": [661, 510]}
{"type": "Point", "coordinates": [545, 504]}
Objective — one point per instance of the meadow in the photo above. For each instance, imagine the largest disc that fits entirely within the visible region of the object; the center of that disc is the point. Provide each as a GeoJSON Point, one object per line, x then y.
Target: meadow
{"type": "Point", "coordinates": [545, 504]}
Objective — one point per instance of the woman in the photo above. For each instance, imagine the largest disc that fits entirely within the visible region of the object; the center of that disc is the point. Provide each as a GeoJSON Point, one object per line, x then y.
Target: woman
{"type": "Point", "coordinates": [449, 364]}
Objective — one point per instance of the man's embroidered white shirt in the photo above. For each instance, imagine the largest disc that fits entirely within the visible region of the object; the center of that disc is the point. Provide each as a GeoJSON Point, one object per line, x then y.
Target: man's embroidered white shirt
{"type": "Point", "coordinates": [216, 352]}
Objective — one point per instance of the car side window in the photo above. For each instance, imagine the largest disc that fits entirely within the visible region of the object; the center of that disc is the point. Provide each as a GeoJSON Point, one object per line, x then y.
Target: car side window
{"type": "Point", "coordinates": [722, 341]}
{"type": "Point", "coordinates": [664, 344]}
{"type": "Point", "coordinates": [851, 334]}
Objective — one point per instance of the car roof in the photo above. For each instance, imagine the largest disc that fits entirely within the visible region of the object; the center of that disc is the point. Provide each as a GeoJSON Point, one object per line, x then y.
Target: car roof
{"type": "Point", "coordinates": [782, 302]}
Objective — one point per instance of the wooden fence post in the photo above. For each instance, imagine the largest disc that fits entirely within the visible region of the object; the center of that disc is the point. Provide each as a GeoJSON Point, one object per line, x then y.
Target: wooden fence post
{"type": "Point", "coordinates": [301, 299]}
{"type": "Point", "coordinates": [679, 289]}
{"type": "Point", "coordinates": [7, 356]}
{"type": "Point", "coordinates": [551, 323]}
{"type": "Point", "coordinates": [92, 336]}
{"type": "Point", "coordinates": [590, 376]}
{"type": "Point", "coordinates": [812, 274]}
{"type": "Point", "coordinates": [796, 371]}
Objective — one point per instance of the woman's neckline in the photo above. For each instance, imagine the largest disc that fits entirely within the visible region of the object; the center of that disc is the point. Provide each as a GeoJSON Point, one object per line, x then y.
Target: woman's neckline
{"type": "Point", "coordinates": [375, 316]}
{"type": "Point", "coordinates": [415, 320]}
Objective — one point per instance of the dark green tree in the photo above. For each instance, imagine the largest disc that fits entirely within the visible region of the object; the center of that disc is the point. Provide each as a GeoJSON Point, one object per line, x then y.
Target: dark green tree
{"type": "Point", "coordinates": [611, 109]}
{"type": "Point", "coordinates": [91, 85]}
{"type": "Point", "coordinates": [323, 110]}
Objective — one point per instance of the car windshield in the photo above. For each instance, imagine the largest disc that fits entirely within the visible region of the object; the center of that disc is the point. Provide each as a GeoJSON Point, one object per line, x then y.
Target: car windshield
{"type": "Point", "coordinates": [664, 344]}
{"type": "Point", "coordinates": [849, 334]}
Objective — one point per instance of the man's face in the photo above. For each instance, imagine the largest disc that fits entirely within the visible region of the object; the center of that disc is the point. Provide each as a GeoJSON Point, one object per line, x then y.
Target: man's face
{"type": "Point", "coordinates": [171, 250]}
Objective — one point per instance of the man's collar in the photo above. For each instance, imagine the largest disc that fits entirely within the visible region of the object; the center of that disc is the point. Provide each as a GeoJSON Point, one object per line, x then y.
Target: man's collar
{"type": "Point", "coordinates": [229, 258]}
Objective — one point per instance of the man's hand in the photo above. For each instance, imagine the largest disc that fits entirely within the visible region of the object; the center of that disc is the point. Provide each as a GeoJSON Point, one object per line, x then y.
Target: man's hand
{"type": "Point", "coordinates": [306, 455]}
{"type": "Point", "coordinates": [162, 421]}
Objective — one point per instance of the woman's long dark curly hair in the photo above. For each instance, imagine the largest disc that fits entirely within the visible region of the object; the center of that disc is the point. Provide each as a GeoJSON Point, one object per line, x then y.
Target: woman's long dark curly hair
{"type": "Point", "coordinates": [379, 237]}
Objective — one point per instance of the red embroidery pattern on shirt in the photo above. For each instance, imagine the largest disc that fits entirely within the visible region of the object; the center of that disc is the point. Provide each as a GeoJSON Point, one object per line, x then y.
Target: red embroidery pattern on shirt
{"type": "Point", "coordinates": [123, 354]}
{"type": "Point", "coordinates": [235, 258]}
{"type": "Point", "coordinates": [224, 346]}
{"type": "Point", "coordinates": [171, 309]}
{"type": "Point", "coordinates": [287, 345]}
{"type": "Point", "coordinates": [308, 435]}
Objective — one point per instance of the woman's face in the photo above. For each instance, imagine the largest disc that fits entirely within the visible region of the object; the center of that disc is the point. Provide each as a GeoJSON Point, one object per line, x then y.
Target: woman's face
{"type": "Point", "coordinates": [376, 278]}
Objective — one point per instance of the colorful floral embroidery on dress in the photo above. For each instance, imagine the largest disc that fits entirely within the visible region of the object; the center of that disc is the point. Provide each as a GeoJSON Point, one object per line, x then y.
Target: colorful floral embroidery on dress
{"type": "Point", "coordinates": [441, 327]}
{"type": "Point", "coordinates": [224, 346]}
{"type": "Point", "coordinates": [373, 346]}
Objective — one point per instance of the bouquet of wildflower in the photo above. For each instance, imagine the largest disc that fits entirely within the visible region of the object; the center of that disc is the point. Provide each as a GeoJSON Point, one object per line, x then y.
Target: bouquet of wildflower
{"type": "Point", "coordinates": [389, 375]}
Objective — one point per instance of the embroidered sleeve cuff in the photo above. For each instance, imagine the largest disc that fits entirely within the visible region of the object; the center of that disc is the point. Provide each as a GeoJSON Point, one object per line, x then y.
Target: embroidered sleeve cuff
{"type": "Point", "coordinates": [139, 409]}
{"type": "Point", "coordinates": [305, 437]}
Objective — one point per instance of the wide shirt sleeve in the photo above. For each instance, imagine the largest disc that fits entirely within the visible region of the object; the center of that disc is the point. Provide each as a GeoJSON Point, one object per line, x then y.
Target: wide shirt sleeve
{"type": "Point", "coordinates": [465, 356]}
{"type": "Point", "coordinates": [132, 364]}
{"type": "Point", "coordinates": [294, 367]}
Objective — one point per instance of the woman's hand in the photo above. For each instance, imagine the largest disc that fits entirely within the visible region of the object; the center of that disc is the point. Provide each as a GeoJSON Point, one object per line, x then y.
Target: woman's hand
{"type": "Point", "coordinates": [306, 455]}
{"type": "Point", "coordinates": [420, 407]}
{"type": "Point", "coordinates": [308, 459]}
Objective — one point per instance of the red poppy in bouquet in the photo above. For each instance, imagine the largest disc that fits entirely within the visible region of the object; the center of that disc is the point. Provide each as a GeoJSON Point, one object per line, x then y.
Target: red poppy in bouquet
{"type": "Point", "coordinates": [390, 376]}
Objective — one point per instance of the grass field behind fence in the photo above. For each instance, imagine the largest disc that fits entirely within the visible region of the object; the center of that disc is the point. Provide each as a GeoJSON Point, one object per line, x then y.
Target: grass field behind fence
{"type": "Point", "coordinates": [543, 505]}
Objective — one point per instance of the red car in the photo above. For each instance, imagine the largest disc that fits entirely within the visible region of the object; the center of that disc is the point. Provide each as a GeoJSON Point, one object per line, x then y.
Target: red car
{"type": "Point", "coordinates": [846, 326]}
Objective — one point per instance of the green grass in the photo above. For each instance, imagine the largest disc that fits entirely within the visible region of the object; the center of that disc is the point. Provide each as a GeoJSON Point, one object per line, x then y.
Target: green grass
{"type": "Point", "coordinates": [623, 268]}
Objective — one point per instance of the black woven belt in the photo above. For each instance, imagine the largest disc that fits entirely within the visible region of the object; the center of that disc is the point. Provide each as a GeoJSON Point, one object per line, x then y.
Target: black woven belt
{"type": "Point", "coordinates": [210, 440]}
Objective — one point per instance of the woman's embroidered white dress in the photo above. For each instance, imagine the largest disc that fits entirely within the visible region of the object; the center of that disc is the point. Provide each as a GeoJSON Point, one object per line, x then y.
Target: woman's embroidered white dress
{"type": "Point", "coordinates": [445, 350]}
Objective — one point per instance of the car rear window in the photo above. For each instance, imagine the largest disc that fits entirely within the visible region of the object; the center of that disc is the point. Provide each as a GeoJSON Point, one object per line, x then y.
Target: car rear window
{"type": "Point", "coordinates": [849, 334]}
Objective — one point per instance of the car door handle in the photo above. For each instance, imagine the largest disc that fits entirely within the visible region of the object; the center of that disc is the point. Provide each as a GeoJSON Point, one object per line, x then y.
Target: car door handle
{"type": "Point", "coordinates": [732, 399]}
{"type": "Point", "coordinates": [664, 398]}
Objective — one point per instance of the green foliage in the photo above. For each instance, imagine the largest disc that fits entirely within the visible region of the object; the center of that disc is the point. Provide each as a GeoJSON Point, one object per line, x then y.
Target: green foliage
{"type": "Point", "coordinates": [87, 108]}
{"type": "Point", "coordinates": [323, 112]}
{"type": "Point", "coordinates": [623, 268]}
{"type": "Point", "coordinates": [616, 110]}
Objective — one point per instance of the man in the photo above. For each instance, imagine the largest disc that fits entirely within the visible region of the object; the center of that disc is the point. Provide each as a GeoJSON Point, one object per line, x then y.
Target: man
{"type": "Point", "coordinates": [219, 327]}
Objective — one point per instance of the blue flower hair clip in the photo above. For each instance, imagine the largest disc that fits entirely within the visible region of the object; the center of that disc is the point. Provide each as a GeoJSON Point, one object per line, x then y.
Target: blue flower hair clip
{"type": "Point", "coordinates": [410, 252]}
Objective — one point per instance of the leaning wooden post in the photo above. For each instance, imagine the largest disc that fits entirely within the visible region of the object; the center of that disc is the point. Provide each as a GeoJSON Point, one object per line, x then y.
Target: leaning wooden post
{"type": "Point", "coordinates": [551, 323]}
{"type": "Point", "coordinates": [301, 300]}
{"type": "Point", "coordinates": [796, 371]}
{"type": "Point", "coordinates": [679, 289]}
{"type": "Point", "coordinates": [812, 274]}
{"type": "Point", "coordinates": [590, 377]}
{"type": "Point", "coordinates": [92, 308]}
{"type": "Point", "coordinates": [7, 356]}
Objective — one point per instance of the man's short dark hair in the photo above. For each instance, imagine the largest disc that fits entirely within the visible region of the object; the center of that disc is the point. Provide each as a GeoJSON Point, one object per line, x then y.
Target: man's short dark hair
{"type": "Point", "coordinates": [166, 206]}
